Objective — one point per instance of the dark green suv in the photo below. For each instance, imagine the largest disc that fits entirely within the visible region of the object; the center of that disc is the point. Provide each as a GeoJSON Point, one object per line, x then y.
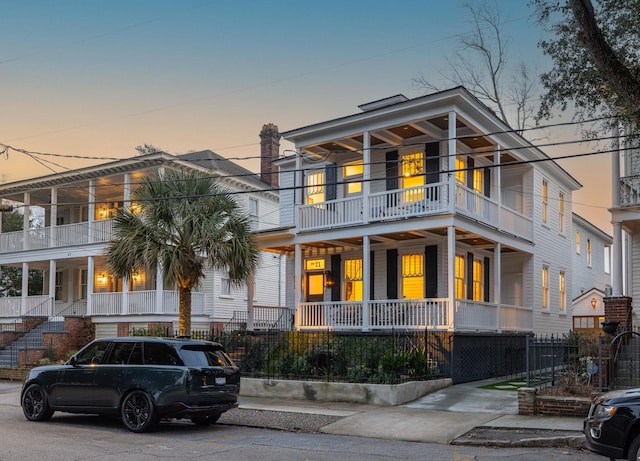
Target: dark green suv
{"type": "Point", "coordinates": [140, 379]}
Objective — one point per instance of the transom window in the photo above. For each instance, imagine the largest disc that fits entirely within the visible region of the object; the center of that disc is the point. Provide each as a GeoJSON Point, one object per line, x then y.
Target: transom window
{"type": "Point", "coordinates": [314, 182]}
{"type": "Point", "coordinates": [413, 276]}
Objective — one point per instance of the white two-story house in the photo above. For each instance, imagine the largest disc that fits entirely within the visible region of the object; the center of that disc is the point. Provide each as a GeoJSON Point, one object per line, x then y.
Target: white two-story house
{"type": "Point", "coordinates": [425, 213]}
{"type": "Point", "coordinates": [591, 275]}
{"type": "Point", "coordinates": [78, 207]}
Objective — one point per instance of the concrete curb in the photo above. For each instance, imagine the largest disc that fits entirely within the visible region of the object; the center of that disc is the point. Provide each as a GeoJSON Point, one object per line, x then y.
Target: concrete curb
{"type": "Point", "coordinates": [511, 438]}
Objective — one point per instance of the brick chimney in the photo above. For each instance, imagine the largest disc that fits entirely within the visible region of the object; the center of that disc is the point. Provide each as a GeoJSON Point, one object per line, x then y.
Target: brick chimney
{"type": "Point", "coordinates": [269, 153]}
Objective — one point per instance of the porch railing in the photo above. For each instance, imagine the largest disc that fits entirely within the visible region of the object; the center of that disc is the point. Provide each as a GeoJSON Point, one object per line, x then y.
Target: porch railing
{"type": "Point", "coordinates": [38, 305]}
{"type": "Point", "coordinates": [58, 236]}
{"type": "Point", "coordinates": [630, 190]}
{"type": "Point", "coordinates": [144, 302]}
{"type": "Point", "coordinates": [431, 313]}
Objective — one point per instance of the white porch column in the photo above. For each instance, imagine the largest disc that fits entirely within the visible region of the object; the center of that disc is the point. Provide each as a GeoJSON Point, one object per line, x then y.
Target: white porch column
{"type": "Point", "coordinates": [250, 296]}
{"type": "Point", "coordinates": [366, 176]}
{"type": "Point", "coordinates": [497, 280]}
{"type": "Point", "coordinates": [91, 276]}
{"type": "Point", "coordinates": [127, 192]}
{"type": "Point", "coordinates": [451, 168]}
{"type": "Point", "coordinates": [25, 221]}
{"type": "Point", "coordinates": [91, 210]}
{"type": "Point", "coordinates": [297, 264]}
{"type": "Point", "coordinates": [52, 284]}
{"type": "Point", "coordinates": [496, 190]}
{"type": "Point", "coordinates": [366, 285]}
{"type": "Point", "coordinates": [24, 288]}
{"type": "Point", "coordinates": [451, 273]}
{"type": "Point", "coordinates": [617, 253]}
{"type": "Point", "coordinates": [125, 296]}
{"type": "Point", "coordinates": [53, 217]}
{"type": "Point", "coordinates": [298, 190]}
{"type": "Point", "coordinates": [159, 290]}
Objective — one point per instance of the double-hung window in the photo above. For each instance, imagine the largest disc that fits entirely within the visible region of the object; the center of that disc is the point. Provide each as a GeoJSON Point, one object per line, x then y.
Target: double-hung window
{"type": "Point", "coordinates": [412, 170]}
{"type": "Point", "coordinates": [413, 276]}
{"type": "Point", "coordinates": [545, 287]}
{"type": "Point", "coordinates": [315, 186]}
{"type": "Point", "coordinates": [353, 279]}
{"type": "Point", "coordinates": [545, 200]}
{"type": "Point", "coordinates": [352, 176]}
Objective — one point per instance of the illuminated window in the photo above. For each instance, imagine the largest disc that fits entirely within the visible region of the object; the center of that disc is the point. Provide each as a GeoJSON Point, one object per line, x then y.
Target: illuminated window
{"type": "Point", "coordinates": [315, 284]}
{"type": "Point", "coordinates": [478, 181]}
{"type": "Point", "coordinates": [460, 285]}
{"type": "Point", "coordinates": [545, 200]}
{"type": "Point", "coordinates": [314, 186]}
{"type": "Point", "coordinates": [561, 211]}
{"type": "Point", "coordinates": [461, 173]}
{"type": "Point", "coordinates": [412, 170]}
{"type": "Point", "coordinates": [413, 276]}
{"type": "Point", "coordinates": [353, 279]}
{"type": "Point", "coordinates": [545, 287]}
{"type": "Point", "coordinates": [589, 252]}
{"type": "Point", "coordinates": [563, 292]}
{"type": "Point", "coordinates": [578, 242]}
{"type": "Point", "coordinates": [478, 282]}
{"type": "Point", "coordinates": [352, 174]}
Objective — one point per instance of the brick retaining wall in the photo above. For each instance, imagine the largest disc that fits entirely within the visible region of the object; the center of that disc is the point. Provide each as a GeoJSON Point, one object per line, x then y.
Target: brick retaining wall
{"type": "Point", "coordinates": [530, 402]}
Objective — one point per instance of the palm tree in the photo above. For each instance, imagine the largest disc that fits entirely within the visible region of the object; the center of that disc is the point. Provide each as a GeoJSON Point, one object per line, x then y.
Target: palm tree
{"type": "Point", "coordinates": [183, 223]}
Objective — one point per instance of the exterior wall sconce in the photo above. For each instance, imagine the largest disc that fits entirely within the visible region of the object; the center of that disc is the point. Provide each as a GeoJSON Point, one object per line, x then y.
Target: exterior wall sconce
{"type": "Point", "coordinates": [328, 279]}
{"type": "Point", "coordinates": [137, 277]}
{"type": "Point", "coordinates": [101, 279]}
{"type": "Point", "coordinates": [594, 303]}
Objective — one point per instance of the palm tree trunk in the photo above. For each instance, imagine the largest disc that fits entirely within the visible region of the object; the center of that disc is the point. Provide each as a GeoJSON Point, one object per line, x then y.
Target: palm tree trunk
{"type": "Point", "coordinates": [184, 311]}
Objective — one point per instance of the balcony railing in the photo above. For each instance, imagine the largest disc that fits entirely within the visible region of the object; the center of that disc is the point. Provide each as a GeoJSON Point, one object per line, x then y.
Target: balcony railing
{"type": "Point", "coordinates": [630, 190]}
{"type": "Point", "coordinates": [432, 313]}
{"type": "Point", "coordinates": [424, 200]}
{"type": "Point", "coordinates": [58, 236]}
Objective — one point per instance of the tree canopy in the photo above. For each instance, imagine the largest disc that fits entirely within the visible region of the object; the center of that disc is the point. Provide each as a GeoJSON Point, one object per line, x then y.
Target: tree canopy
{"type": "Point", "coordinates": [183, 223]}
{"type": "Point", "coordinates": [595, 48]}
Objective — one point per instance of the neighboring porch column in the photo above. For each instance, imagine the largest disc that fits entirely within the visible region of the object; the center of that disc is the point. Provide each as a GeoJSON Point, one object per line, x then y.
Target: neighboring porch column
{"type": "Point", "coordinates": [451, 151]}
{"type": "Point", "coordinates": [125, 296]}
{"type": "Point", "coordinates": [25, 221]}
{"type": "Point", "coordinates": [91, 210]}
{"type": "Point", "coordinates": [366, 269]}
{"type": "Point", "coordinates": [366, 175]}
{"type": "Point", "coordinates": [91, 276]}
{"type": "Point", "coordinates": [451, 273]}
{"type": "Point", "coordinates": [52, 285]}
{"type": "Point", "coordinates": [616, 264]}
{"type": "Point", "coordinates": [159, 289]}
{"type": "Point", "coordinates": [250, 295]}
{"type": "Point", "coordinates": [127, 192]}
{"type": "Point", "coordinates": [497, 281]}
{"type": "Point", "coordinates": [25, 288]}
{"type": "Point", "coordinates": [298, 190]}
{"type": "Point", "coordinates": [297, 264]}
{"type": "Point", "coordinates": [53, 217]}
{"type": "Point", "coordinates": [496, 193]}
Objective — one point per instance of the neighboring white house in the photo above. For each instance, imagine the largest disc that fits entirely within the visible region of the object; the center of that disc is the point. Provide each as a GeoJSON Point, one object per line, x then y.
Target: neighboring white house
{"type": "Point", "coordinates": [424, 213]}
{"type": "Point", "coordinates": [591, 275]}
{"type": "Point", "coordinates": [79, 206]}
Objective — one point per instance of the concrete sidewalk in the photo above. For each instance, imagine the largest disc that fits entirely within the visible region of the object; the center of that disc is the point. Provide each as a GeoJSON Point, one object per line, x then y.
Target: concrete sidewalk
{"type": "Point", "coordinates": [460, 414]}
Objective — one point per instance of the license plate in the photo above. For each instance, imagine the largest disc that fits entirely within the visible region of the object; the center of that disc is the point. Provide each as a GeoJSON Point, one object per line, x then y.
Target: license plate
{"type": "Point", "coordinates": [220, 380]}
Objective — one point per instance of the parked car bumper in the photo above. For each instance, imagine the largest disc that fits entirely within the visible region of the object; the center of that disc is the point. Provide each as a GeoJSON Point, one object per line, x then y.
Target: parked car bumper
{"type": "Point", "coordinates": [598, 440]}
{"type": "Point", "coordinates": [183, 410]}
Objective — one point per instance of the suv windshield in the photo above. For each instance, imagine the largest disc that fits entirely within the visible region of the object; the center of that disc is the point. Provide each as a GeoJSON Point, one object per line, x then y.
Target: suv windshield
{"type": "Point", "coordinates": [202, 356]}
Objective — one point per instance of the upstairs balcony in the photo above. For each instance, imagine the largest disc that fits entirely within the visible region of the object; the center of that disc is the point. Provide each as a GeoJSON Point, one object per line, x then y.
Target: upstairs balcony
{"type": "Point", "coordinates": [39, 238]}
{"type": "Point", "coordinates": [630, 190]}
{"type": "Point", "coordinates": [421, 201]}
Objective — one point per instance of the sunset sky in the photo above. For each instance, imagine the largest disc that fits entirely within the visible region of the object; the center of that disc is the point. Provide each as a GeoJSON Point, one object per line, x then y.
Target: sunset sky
{"type": "Point", "coordinates": [96, 78]}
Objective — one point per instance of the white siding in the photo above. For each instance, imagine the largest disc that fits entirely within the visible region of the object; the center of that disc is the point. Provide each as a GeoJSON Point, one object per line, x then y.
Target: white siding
{"type": "Point", "coordinates": [586, 277]}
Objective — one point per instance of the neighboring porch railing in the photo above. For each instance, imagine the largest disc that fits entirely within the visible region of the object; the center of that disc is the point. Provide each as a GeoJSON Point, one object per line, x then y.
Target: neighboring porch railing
{"type": "Point", "coordinates": [144, 302]}
{"type": "Point", "coordinates": [630, 190]}
{"type": "Point", "coordinates": [41, 305]}
{"type": "Point", "coordinates": [58, 236]}
{"type": "Point", "coordinates": [432, 313]}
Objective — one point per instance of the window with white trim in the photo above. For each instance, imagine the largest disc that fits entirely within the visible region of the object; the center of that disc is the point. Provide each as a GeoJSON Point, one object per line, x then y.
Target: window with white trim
{"type": "Point", "coordinates": [413, 276]}
{"type": "Point", "coordinates": [563, 291]}
{"type": "Point", "coordinates": [353, 279]}
{"type": "Point", "coordinates": [478, 280]}
{"type": "Point", "coordinates": [577, 242]}
{"type": "Point", "coordinates": [545, 287]}
{"type": "Point", "coordinates": [561, 212]}
{"type": "Point", "coordinates": [253, 213]}
{"type": "Point", "coordinates": [589, 252]}
{"type": "Point", "coordinates": [412, 175]}
{"type": "Point", "coordinates": [314, 182]}
{"type": "Point", "coordinates": [460, 284]}
{"type": "Point", "coordinates": [225, 284]}
{"type": "Point", "coordinates": [545, 200]}
{"type": "Point", "coordinates": [352, 176]}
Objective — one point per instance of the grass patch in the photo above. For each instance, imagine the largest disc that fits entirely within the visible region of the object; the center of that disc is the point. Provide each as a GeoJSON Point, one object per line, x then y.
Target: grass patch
{"type": "Point", "coordinates": [511, 384]}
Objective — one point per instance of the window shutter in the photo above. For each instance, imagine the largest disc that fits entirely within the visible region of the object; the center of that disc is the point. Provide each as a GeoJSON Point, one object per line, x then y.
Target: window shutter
{"type": "Point", "coordinates": [487, 285]}
{"type": "Point", "coordinates": [331, 177]}
{"type": "Point", "coordinates": [487, 182]}
{"type": "Point", "coordinates": [432, 154]}
{"type": "Point", "coordinates": [337, 277]}
{"type": "Point", "coordinates": [431, 271]}
{"type": "Point", "coordinates": [392, 274]}
{"type": "Point", "coordinates": [372, 265]}
{"type": "Point", "coordinates": [392, 170]}
{"type": "Point", "coordinates": [470, 165]}
{"type": "Point", "coordinates": [469, 275]}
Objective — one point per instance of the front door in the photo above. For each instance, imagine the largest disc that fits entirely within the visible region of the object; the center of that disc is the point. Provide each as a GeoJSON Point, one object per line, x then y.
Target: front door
{"type": "Point", "coordinates": [314, 287]}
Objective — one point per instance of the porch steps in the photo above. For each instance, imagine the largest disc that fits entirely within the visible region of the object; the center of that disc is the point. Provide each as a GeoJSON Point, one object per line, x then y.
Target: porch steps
{"type": "Point", "coordinates": [30, 340]}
